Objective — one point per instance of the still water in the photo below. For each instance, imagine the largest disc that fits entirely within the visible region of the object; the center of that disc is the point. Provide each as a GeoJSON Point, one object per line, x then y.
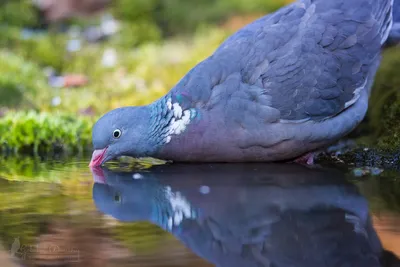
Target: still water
{"type": "Point", "coordinates": [227, 215]}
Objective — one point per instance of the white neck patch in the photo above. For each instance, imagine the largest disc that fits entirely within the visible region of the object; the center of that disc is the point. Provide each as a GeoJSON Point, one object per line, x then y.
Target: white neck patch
{"type": "Point", "coordinates": [181, 208]}
{"type": "Point", "coordinates": [181, 119]}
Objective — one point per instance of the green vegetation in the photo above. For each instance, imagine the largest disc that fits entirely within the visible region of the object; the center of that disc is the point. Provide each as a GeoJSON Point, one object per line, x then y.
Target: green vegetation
{"type": "Point", "coordinates": [139, 77]}
{"type": "Point", "coordinates": [24, 132]}
{"type": "Point", "coordinates": [44, 50]}
{"type": "Point", "coordinates": [171, 16]}
{"type": "Point", "coordinates": [181, 16]}
{"type": "Point", "coordinates": [10, 13]}
{"type": "Point", "coordinates": [21, 82]}
{"type": "Point", "coordinates": [384, 114]}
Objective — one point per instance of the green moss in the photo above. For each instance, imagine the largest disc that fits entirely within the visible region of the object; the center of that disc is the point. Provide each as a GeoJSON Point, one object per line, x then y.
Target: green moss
{"type": "Point", "coordinates": [384, 111]}
{"type": "Point", "coordinates": [37, 133]}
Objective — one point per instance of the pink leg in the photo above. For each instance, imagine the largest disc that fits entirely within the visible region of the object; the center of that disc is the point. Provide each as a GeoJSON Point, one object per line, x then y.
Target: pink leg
{"type": "Point", "coordinates": [306, 159]}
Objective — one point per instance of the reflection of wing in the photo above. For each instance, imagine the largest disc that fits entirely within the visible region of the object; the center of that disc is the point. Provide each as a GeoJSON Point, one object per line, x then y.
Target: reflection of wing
{"type": "Point", "coordinates": [270, 222]}
{"type": "Point", "coordinates": [321, 237]}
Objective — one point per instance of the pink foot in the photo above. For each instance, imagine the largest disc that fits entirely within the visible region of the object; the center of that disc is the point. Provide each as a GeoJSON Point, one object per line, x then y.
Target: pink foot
{"type": "Point", "coordinates": [306, 159]}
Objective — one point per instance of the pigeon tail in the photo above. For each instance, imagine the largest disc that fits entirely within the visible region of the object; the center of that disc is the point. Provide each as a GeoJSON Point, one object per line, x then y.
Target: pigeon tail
{"type": "Point", "coordinates": [384, 15]}
{"type": "Point", "coordinates": [394, 34]}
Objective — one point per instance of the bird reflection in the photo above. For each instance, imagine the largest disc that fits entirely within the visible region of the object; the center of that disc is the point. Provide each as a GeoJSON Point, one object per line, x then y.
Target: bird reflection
{"type": "Point", "coordinates": [248, 214]}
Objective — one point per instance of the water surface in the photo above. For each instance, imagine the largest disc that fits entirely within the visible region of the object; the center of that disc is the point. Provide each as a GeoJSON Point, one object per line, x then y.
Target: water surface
{"type": "Point", "coordinates": [61, 213]}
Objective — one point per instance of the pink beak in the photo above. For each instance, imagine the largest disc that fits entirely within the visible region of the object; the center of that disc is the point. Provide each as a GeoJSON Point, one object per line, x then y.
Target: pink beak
{"type": "Point", "coordinates": [98, 175]}
{"type": "Point", "coordinates": [97, 157]}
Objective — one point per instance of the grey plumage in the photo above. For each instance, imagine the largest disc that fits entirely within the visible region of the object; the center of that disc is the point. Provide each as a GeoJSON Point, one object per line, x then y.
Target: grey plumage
{"type": "Point", "coordinates": [286, 84]}
{"type": "Point", "coordinates": [308, 59]}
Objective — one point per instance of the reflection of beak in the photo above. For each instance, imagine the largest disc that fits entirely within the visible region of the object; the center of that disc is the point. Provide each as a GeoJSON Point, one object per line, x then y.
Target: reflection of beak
{"type": "Point", "coordinates": [98, 175]}
{"type": "Point", "coordinates": [97, 157]}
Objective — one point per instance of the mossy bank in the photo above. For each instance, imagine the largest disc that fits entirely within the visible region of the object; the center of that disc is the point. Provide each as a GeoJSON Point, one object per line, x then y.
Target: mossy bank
{"type": "Point", "coordinates": [43, 133]}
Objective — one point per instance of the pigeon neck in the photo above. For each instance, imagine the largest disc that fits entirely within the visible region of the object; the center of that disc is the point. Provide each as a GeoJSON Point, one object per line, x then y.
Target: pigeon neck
{"type": "Point", "coordinates": [169, 119]}
{"type": "Point", "coordinates": [171, 209]}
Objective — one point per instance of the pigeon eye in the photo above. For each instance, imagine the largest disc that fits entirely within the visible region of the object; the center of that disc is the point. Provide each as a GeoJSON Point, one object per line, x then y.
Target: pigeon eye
{"type": "Point", "coordinates": [117, 197]}
{"type": "Point", "coordinates": [117, 133]}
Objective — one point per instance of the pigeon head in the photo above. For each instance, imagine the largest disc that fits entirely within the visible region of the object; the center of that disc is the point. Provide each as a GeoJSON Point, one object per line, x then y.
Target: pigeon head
{"type": "Point", "coordinates": [131, 196]}
{"type": "Point", "coordinates": [124, 201]}
{"type": "Point", "coordinates": [121, 132]}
